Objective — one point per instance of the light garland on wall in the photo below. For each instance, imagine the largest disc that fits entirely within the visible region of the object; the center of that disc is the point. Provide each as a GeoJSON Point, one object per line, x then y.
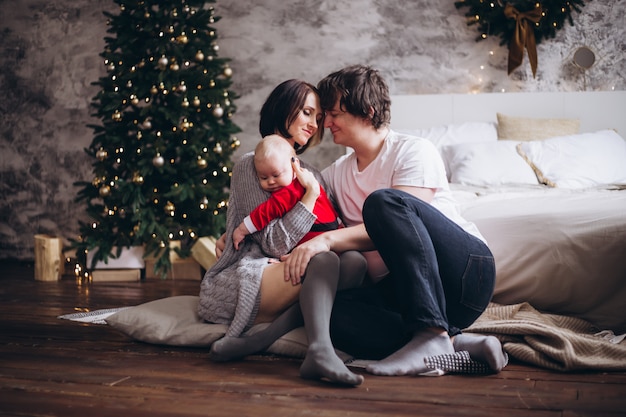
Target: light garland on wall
{"type": "Point", "coordinates": [521, 24]}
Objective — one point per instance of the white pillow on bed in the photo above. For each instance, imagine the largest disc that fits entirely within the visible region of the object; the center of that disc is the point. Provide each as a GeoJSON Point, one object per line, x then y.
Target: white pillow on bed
{"type": "Point", "coordinates": [452, 134]}
{"type": "Point", "coordinates": [487, 164]}
{"type": "Point", "coordinates": [578, 161]}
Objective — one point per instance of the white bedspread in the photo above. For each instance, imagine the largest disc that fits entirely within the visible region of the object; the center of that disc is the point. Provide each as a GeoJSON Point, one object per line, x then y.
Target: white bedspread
{"type": "Point", "coordinates": [562, 251]}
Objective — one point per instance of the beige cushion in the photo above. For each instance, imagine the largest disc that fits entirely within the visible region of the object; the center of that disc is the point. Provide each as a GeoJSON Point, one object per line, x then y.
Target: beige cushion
{"type": "Point", "coordinates": [174, 321]}
{"type": "Point", "coordinates": [525, 129]}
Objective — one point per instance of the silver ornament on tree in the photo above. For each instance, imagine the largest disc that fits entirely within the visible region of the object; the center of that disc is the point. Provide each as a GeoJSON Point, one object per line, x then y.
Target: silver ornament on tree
{"type": "Point", "coordinates": [162, 62]}
{"type": "Point", "coordinates": [218, 111]}
{"type": "Point", "coordinates": [158, 161]}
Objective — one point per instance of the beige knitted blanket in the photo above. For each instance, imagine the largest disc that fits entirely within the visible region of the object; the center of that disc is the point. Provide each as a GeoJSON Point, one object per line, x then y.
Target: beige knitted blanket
{"type": "Point", "coordinates": [551, 341]}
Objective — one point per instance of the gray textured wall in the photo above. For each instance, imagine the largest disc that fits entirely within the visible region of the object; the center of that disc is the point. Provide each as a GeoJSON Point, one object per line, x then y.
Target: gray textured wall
{"type": "Point", "coordinates": [50, 50]}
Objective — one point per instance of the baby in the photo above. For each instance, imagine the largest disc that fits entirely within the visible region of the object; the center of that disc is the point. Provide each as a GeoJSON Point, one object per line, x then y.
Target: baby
{"type": "Point", "coordinates": [272, 160]}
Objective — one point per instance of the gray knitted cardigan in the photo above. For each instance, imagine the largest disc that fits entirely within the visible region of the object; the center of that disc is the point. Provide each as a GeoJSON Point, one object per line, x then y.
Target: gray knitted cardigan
{"type": "Point", "coordinates": [229, 292]}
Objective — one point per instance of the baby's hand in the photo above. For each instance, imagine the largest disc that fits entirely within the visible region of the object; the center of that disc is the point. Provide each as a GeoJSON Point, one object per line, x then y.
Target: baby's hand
{"type": "Point", "coordinates": [305, 177]}
{"type": "Point", "coordinates": [239, 235]}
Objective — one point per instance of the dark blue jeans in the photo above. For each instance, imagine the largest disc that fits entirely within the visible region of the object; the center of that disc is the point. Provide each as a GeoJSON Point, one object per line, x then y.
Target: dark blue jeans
{"type": "Point", "coordinates": [440, 276]}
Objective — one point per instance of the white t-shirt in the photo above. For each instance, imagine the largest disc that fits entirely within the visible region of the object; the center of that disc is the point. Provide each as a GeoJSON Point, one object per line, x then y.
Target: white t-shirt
{"type": "Point", "coordinates": [404, 160]}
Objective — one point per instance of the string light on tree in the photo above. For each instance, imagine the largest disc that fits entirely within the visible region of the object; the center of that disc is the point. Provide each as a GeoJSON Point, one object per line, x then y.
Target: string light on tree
{"type": "Point", "coordinates": [145, 108]}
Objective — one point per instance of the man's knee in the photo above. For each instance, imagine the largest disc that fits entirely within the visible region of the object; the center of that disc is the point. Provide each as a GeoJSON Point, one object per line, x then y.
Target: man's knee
{"type": "Point", "coordinates": [376, 202]}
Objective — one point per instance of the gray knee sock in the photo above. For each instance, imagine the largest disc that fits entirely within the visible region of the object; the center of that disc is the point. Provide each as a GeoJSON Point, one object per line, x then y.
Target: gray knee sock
{"type": "Point", "coordinates": [316, 301]}
{"type": "Point", "coordinates": [229, 348]}
{"type": "Point", "coordinates": [352, 269]}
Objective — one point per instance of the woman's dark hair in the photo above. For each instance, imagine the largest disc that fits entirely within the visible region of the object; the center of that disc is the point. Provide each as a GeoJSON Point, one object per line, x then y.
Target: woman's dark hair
{"type": "Point", "coordinates": [359, 89]}
{"type": "Point", "coordinates": [281, 108]}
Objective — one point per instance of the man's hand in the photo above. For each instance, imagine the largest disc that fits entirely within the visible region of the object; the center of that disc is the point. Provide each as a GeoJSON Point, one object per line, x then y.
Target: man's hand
{"type": "Point", "coordinates": [297, 261]}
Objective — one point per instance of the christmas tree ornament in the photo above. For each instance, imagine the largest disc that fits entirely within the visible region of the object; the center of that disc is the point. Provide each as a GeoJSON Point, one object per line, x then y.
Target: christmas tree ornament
{"type": "Point", "coordinates": [162, 62]}
{"type": "Point", "coordinates": [137, 178]}
{"type": "Point", "coordinates": [169, 208]}
{"type": "Point", "coordinates": [158, 161]}
{"type": "Point", "coordinates": [199, 56]}
{"type": "Point", "coordinates": [182, 38]}
{"type": "Point", "coordinates": [218, 111]}
{"type": "Point", "coordinates": [202, 163]}
{"type": "Point", "coordinates": [182, 87]}
{"type": "Point", "coordinates": [228, 72]}
{"type": "Point", "coordinates": [218, 148]}
{"type": "Point", "coordinates": [147, 124]}
{"type": "Point", "coordinates": [196, 101]}
{"type": "Point", "coordinates": [185, 102]}
{"type": "Point", "coordinates": [174, 67]}
{"type": "Point", "coordinates": [104, 191]}
{"type": "Point", "coordinates": [154, 90]}
{"type": "Point", "coordinates": [102, 154]}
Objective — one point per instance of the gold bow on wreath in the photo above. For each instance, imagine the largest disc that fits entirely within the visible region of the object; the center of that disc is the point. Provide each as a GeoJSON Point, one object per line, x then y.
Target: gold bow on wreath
{"type": "Point", "coordinates": [524, 36]}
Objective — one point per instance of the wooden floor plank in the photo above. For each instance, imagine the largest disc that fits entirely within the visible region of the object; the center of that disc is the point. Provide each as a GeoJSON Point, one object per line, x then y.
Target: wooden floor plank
{"type": "Point", "coordinates": [54, 367]}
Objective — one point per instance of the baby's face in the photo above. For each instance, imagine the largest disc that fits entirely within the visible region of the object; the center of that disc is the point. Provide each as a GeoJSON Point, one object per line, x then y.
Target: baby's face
{"type": "Point", "coordinates": [274, 173]}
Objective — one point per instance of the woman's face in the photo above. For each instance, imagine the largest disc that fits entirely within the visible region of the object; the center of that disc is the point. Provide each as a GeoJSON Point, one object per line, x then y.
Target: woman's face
{"type": "Point", "coordinates": [306, 123]}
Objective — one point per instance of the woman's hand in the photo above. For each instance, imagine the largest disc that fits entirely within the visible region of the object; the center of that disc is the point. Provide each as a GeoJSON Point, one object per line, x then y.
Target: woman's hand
{"type": "Point", "coordinates": [220, 245]}
{"type": "Point", "coordinates": [297, 261]}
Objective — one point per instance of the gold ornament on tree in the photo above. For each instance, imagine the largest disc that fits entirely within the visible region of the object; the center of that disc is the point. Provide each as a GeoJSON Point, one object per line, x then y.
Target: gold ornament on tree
{"type": "Point", "coordinates": [202, 163]}
{"type": "Point", "coordinates": [102, 154]}
{"type": "Point", "coordinates": [104, 191]}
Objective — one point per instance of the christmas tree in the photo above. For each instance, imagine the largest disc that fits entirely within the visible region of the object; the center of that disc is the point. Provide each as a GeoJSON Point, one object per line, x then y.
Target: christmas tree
{"type": "Point", "coordinates": [161, 155]}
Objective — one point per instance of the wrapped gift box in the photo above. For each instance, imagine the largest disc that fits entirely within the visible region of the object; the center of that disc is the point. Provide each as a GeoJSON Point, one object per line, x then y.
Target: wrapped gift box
{"type": "Point", "coordinates": [186, 268]}
{"type": "Point", "coordinates": [115, 275]}
{"type": "Point", "coordinates": [130, 258]}
{"type": "Point", "coordinates": [203, 251]}
{"type": "Point", "coordinates": [48, 258]}
{"type": "Point", "coordinates": [182, 268]}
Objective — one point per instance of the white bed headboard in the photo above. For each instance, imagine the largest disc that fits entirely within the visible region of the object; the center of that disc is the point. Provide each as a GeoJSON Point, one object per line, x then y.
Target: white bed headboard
{"type": "Point", "coordinates": [596, 110]}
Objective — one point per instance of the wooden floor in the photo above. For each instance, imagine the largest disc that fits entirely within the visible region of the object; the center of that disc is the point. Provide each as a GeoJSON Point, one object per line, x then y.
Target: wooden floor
{"type": "Point", "coordinates": [54, 367]}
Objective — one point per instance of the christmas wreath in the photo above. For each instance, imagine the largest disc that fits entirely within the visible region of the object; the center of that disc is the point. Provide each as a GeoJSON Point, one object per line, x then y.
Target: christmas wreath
{"type": "Point", "coordinates": [521, 24]}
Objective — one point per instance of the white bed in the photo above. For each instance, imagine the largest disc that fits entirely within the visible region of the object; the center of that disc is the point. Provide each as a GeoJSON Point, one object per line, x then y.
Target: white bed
{"type": "Point", "coordinates": [562, 246]}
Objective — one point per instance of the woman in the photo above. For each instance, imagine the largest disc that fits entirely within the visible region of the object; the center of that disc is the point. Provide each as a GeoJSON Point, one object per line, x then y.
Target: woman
{"type": "Point", "coordinates": [245, 287]}
{"type": "Point", "coordinates": [433, 271]}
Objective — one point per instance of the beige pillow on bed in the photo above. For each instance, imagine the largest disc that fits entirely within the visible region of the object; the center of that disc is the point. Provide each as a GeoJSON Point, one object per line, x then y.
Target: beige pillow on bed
{"type": "Point", "coordinates": [525, 129]}
{"type": "Point", "coordinates": [174, 321]}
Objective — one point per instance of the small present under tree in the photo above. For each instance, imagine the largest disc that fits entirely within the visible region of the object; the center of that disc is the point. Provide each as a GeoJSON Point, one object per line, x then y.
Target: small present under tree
{"type": "Point", "coordinates": [161, 155]}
